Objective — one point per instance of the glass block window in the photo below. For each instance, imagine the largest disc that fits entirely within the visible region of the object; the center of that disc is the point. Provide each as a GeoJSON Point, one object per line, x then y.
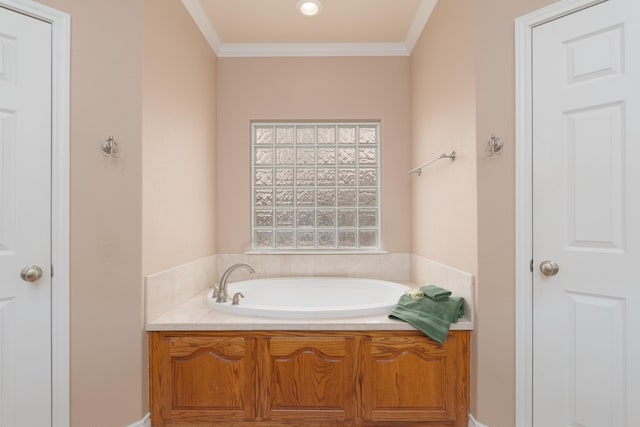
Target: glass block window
{"type": "Point", "coordinates": [315, 186]}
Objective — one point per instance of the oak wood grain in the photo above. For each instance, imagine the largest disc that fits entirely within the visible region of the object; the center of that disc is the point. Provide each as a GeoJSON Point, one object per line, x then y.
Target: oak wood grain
{"type": "Point", "coordinates": [308, 378]}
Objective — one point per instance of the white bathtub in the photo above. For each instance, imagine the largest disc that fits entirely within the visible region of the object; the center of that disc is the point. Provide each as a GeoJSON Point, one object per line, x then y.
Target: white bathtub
{"type": "Point", "coordinates": [312, 297]}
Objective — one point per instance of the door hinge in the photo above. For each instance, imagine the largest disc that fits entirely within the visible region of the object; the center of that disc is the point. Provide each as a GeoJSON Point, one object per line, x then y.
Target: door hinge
{"type": "Point", "coordinates": [51, 270]}
{"type": "Point", "coordinates": [531, 266]}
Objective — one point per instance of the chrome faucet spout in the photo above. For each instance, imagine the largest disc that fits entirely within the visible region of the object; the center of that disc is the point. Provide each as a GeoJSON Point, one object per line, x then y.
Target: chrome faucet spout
{"type": "Point", "coordinates": [221, 294]}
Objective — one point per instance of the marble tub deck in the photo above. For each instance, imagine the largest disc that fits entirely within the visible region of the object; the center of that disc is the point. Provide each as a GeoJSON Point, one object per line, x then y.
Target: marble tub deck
{"type": "Point", "coordinates": [196, 314]}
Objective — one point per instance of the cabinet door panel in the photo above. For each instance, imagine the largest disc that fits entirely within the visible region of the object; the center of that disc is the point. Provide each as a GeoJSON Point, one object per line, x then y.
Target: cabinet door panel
{"type": "Point", "coordinates": [198, 377]}
{"type": "Point", "coordinates": [310, 378]}
{"type": "Point", "coordinates": [407, 377]}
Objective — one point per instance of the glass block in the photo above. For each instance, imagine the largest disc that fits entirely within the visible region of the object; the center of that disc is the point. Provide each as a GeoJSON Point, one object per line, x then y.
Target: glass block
{"type": "Point", "coordinates": [326, 197]}
{"type": "Point", "coordinates": [346, 217]}
{"type": "Point", "coordinates": [305, 197]}
{"type": "Point", "coordinates": [264, 218]}
{"type": "Point", "coordinates": [263, 239]}
{"type": "Point", "coordinates": [368, 176]}
{"type": "Point", "coordinates": [326, 176]}
{"type": "Point", "coordinates": [315, 185]}
{"type": "Point", "coordinates": [305, 177]}
{"type": "Point", "coordinates": [326, 156]}
{"type": "Point", "coordinates": [284, 197]}
{"type": "Point", "coordinates": [368, 239]}
{"type": "Point", "coordinates": [284, 177]}
{"type": "Point", "coordinates": [264, 177]}
{"type": "Point", "coordinates": [347, 156]}
{"type": "Point", "coordinates": [346, 239]}
{"type": "Point", "coordinates": [305, 218]}
{"type": "Point", "coordinates": [367, 135]}
{"type": "Point", "coordinates": [264, 135]}
{"type": "Point", "coordinates": [346, 197]}
{"type": "Point", "coordinates": [346, 176]}
{"type": "Point", "coordinates": [347, 134]}
{"type": "Point", "coordinates": [305, 135]}
{"type": "Point", "coordinates": [264, 197]}
{"type": "Point", "coordinates": [284, 156]}
{"type": "Point", "coordinates": [326, 135]}
{"type": "Point", "coordinates": [284, 239]}
{"type": "Point", "coordinates": [326, 217]}
{"type": "Point", "coordinates": [367, 217]}
{"type": "Point", "coordinates": [367, 156]}
{"type": "Point", "coordinates": [367, 197]}
{"type": "Point", "coordinates": [284, 135]}
{"type": "Point", "coordinates": [264, 156]}
{"type": "Point", "coordinates": [305, 156]}
{"type": "Point", "coordinates": [306, 239]}
{"type": "Point", "coordinates": [284, 217]}
{"type": "Point", "coordinates": [326, 239]}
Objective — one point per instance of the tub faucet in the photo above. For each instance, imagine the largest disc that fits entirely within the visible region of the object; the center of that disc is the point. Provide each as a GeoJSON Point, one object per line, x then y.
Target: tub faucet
{"type": "Point", "coordinates": [221, 291]}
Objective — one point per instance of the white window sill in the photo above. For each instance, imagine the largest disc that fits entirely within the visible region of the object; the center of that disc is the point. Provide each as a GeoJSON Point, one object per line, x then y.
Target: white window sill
{"type": "Point", "coordinates": [318, 252]}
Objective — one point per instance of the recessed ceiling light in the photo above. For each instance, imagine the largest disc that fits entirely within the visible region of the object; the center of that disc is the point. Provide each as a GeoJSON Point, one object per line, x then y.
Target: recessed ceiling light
{"type": "Point", "coordinates": [309, 7]}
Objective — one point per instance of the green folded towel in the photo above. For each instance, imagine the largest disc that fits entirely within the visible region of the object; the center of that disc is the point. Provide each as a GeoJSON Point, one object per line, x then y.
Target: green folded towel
{"type": "Point", "coordinates": [436, 293]}
{"type": "Point", "coordinates": [430, 317]}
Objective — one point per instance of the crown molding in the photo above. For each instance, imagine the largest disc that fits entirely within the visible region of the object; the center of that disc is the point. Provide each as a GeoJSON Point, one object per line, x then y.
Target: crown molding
{"type": "Point", "coordinates": [241, 50]}
{"type": "Point", "coordinates": [238, 50]}
{"type": "Point", "coordinates": [419, 22]}
{"type": "Point", "coordinates": [200, 18]}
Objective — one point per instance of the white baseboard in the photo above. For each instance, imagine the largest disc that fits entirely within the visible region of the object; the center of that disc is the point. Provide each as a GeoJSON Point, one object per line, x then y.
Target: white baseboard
{"type": "Point", "coordinates": [146, 422]}
{"type": "Point", "coordinates": [474, 423]}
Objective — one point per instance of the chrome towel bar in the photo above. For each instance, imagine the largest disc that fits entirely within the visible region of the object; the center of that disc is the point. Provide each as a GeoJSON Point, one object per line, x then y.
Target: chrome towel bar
{"type": "Point", "coordinates": [418, 170]}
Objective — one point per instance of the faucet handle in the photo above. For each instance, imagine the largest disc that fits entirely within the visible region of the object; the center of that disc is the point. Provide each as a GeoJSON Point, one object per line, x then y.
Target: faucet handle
{"type": "Point", "coordinates": [236, 298]}
{"type": "Point", "coordinates": [216, 291]}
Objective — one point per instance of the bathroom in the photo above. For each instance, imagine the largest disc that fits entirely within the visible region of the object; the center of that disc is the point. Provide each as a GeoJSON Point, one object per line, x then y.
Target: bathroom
{"type": "Point", "coordinates": [179, 192]}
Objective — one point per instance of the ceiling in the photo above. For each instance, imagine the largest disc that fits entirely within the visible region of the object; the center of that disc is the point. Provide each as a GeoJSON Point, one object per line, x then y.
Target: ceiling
{"type": "Point", "coordinates": [240, 28]}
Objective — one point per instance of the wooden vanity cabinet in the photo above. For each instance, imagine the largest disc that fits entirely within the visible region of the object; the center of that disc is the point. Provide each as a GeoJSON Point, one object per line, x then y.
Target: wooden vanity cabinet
{"type": "Point", "coordinates": [311, 379]}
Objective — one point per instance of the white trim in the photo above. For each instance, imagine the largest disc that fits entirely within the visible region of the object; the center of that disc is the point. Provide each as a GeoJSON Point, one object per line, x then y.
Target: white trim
{"type": "Point", "coordinates": [200, 18]}
{"type": "Point", "coordinates": [60, 66]}
{"type": "Point", "coordinates": [237, 50]}
{"type": "Point", "coordinates": [524, 182]}
{"type": "Point", "coordinates": [242, 50]}
{"type": "Point", "coordinates": [474, 423]}
{"type": "Point", "coordinates": [419, 22]}
{"type": "Point", "coordinates": [144, 422]}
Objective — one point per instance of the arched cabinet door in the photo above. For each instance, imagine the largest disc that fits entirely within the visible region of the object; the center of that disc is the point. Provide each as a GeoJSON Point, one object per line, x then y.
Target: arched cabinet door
{"type": "Point", "coordinates": [310, 377]}
{"type": "Point", "coordinates": [409, 378]}
{"type": "Point", "coordinates": [202, 377]}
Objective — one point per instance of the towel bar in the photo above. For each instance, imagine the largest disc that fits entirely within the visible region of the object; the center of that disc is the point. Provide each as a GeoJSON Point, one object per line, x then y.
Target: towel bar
{"type": "Point", "coordinates": [418, 170]}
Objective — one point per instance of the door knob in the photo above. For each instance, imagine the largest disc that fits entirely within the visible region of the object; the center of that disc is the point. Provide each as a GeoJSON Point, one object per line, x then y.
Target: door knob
{"type": "Point", "coordinates": [31, 273]}
{"type": "Point", "coordinates": [549, 268]}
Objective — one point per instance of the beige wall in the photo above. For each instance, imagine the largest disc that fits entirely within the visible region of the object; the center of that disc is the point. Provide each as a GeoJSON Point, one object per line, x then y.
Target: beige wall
{"type": "Point", "coordinates": [179, 131]}
{"type": "Point", "coordinates": [443, 119]}
{"type": "Point", "coordinates": [495, 109]}
{"type": "Point", "coordinates": [106, 213]}
{"type": "Point", "coordinates": [108, 355]}
{"type": "Point", "coordinates": [311, 88]}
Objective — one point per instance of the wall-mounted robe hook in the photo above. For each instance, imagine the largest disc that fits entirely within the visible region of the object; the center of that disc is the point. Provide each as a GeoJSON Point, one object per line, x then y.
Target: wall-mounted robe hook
{"type": "Point", "coordinates": [494, 146]}
{"type": "Point", "coordinates": [110, 148]}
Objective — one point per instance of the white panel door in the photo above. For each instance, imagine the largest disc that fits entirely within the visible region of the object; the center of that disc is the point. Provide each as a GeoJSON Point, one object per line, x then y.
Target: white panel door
{"type": "Point", "coordinates": [586, 218]}
{"type": "Point", "coordinates": [25, 220]}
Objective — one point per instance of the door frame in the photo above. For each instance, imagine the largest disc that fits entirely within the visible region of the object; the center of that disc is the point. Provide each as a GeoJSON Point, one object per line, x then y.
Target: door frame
{"type": "Point", "coordinates": [60, 84]}
{"type": "Point", "coordinates": [524, 196]}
